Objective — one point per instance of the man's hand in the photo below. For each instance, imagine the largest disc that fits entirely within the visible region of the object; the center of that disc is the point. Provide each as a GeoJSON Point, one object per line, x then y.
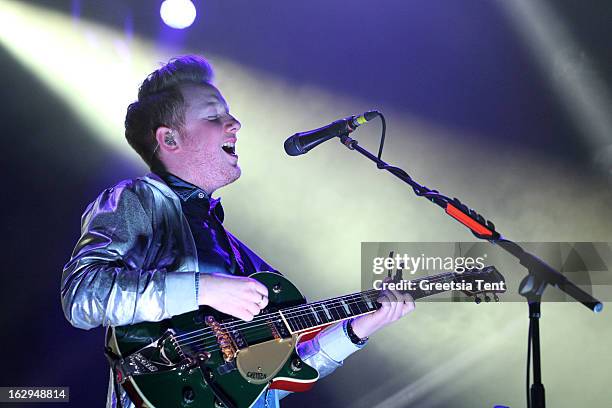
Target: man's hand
{"type": "Point", "coordinates": [237, 296]}
{"type": "Point", "coordinates": [394, 306]}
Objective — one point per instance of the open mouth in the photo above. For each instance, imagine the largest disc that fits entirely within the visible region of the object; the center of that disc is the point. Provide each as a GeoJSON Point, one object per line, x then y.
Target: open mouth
{"type": "Point", "coordinates": [229, 148]}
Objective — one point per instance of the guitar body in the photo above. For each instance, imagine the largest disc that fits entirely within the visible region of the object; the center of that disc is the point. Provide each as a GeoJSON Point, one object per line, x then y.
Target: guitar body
{"type": "Point", "coordinates": [205, 359]}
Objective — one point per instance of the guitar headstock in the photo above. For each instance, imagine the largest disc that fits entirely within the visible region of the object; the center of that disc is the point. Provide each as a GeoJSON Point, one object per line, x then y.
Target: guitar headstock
{"type": "Point", "coordinates": [481, 281]}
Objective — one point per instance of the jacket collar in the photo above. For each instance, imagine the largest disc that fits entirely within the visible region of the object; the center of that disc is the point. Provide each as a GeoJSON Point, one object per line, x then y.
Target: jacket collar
{"type": "Point", "coordinates": [156, 181]}
{"type": "Point", "coordinates": [183, 190]}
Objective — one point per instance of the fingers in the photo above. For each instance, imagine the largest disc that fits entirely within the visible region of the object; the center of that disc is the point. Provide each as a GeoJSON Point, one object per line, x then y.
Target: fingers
{"type": "Point", "coordinates": [398, 305]}
{"type": "Point", "coordinates": [253, 310]}
{"type": "Point", "coordinates": [258, 287]}
{"type": "Point", "coordinates": [251, 302]}
{"type": "Point", "coordinates": [242, 314]}
{"type": "Point", "coordinates": [258, 293]}
{"type": "Point", "coordinates": [394, 305]}
{"type": "Point", "coordinates": [255, 297]}
{"type": "Point", "coordinates": [409, 304]}
{"type": "Point", "coordinates": [263, 302]}
{"type": "Point", "coordinates": [240, 297]}
{"type": "Point", "coordinates": [242, 309]}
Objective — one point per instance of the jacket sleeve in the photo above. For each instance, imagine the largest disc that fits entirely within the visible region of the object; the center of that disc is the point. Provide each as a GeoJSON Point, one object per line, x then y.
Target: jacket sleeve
{"type": "Point", "coordinates": [104, 282]}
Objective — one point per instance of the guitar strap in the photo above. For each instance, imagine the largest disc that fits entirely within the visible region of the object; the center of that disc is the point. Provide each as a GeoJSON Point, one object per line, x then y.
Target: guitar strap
{"type": "Point", "coordinates": [114, 361]}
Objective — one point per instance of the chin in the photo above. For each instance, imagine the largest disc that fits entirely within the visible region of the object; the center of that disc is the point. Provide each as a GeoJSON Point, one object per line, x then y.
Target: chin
{"type": "Point", "coordinates": [232, 175]}
{"type": "Point", "coordinates": [238, 173]}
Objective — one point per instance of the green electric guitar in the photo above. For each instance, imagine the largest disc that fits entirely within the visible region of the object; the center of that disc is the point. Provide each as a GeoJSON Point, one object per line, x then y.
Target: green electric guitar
{"type": "Point", "coordinates": [205, 359]}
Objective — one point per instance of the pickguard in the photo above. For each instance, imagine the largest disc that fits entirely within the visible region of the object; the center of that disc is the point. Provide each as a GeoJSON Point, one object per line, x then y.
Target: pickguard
{"type": "Point", "coordinates": [259, 363]}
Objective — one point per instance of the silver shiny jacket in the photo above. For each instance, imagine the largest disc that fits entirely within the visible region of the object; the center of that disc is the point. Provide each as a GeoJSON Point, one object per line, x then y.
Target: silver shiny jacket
{"type": "Point", "coordinates": [136, 261]}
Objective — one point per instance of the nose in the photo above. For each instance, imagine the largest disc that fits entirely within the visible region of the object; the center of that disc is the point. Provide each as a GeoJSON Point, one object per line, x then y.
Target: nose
{"type": "Point", "coordinates": [233, 125]}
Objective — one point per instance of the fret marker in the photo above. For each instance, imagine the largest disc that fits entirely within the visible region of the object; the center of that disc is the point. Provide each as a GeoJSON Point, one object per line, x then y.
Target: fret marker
{"type": "Point", "coordinates": [368, 301]}
{"type": "Point", "coordinates": [315, 315]}
{"type": "Point", "coordinates": [346, 308]}
{"type": "Point", "coordinates": [329, 317]}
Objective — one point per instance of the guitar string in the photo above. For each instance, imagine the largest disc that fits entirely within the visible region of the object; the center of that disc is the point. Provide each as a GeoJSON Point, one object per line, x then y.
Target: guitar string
{"type": "Point", "coordinates": [310, 322]}
{"type": "Point", "coordinates": [265, 325]}
{"type": "Point", "coordinates": [214, 346]}
{"type": "Point", "coordinates": [250, 331]}
{"type": "Point", "coordinates": [211, 348]}
{"type": "Point", "coordinates": [353, 299]}
{"type": "Point", "coordinates": [290, 313]}
{"type": "Point", "coordinates": [295, 312]}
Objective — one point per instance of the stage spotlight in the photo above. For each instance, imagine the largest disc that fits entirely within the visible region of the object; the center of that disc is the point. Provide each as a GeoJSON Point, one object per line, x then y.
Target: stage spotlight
{"type": "Point", "coordinates": [178, 13]}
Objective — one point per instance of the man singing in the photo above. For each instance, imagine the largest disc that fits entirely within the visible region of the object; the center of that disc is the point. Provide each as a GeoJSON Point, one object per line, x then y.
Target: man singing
{"type": "Point", "coordinates": [155, 246]}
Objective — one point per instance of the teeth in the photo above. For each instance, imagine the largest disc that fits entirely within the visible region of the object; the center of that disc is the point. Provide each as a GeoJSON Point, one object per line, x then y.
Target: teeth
{"type": "Point", "coordinates": [228, 144]}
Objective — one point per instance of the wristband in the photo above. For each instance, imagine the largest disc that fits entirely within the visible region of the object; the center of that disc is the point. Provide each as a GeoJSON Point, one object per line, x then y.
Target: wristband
{"type": "Point", "coordinates": [351, 334]}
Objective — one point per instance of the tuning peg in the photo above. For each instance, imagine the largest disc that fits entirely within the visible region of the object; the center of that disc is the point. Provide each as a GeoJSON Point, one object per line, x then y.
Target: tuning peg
{"type": "Point", "coordinates": [496, 297]}
{"type": "Point", "coordinates": [477, 299]}
{"type": "Point", "coordinates": [487, 298]}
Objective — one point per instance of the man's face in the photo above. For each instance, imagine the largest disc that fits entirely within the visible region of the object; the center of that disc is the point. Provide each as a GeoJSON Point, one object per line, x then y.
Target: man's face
{"type": "Point", "coordinates": [209, 138]}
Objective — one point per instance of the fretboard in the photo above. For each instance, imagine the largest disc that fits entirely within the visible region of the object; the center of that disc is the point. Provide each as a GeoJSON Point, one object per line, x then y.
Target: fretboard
{"type": "Point", "coordinates": [322, 313]}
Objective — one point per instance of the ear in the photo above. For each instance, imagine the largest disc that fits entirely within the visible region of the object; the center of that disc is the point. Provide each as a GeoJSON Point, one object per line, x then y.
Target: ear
{"type": "Point", "coordinates": [167, 139]}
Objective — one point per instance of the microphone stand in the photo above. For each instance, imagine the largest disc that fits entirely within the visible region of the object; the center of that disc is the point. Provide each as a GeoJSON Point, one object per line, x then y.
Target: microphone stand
{"type": "Point", "coordinates": [539, 273]}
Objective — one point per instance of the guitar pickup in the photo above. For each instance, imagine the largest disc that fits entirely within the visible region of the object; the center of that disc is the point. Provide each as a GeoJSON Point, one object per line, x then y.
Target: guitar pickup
{"type": "Point", "coordinates": [279, 329]}
{"type": "Point", "coordinates": [239, 340]}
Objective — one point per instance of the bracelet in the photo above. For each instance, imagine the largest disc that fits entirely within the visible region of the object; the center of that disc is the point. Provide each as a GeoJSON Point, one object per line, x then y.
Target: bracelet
{"type": "Point", "coordinates": [351, 334]}
{"type": "Point", "coordinates": [197, 287]}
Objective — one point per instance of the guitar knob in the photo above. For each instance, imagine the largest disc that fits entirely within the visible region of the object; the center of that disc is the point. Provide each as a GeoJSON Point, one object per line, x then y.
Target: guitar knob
{"type": "Point", "coordinates": [187, 363]}
{"type": "Point", "coordinates": [277, 288]}
{"type": "Point", "coordinates": [477, 300]}
{"type": "Point", "coordinates": [204, 356]}
{"type": "Point", "coordinates": [188, 395]}
{"type": "Point", "coordinates": [496, 297]}
{"type": "Point", "coordinates": [487, 298]}
{"type": "Point", "coordinates": [296, 365]}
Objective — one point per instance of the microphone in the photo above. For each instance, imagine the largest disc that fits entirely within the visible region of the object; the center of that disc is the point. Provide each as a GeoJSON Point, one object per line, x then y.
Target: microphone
{"type": "Point", "coordinates": [302, 142]}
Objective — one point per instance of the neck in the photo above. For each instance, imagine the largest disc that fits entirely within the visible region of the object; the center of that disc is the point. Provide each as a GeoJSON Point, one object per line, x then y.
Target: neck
{"type": "Point", "coordinates": [191, 177]}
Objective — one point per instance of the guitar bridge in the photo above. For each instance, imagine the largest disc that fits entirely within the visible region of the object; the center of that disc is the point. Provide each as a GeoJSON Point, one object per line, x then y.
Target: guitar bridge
{"type": "Point", "coordinates": [224, 339]}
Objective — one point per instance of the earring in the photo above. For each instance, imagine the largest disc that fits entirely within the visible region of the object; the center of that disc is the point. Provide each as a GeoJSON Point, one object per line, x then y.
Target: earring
{"type": "Point", "coordinates": [169, 139]}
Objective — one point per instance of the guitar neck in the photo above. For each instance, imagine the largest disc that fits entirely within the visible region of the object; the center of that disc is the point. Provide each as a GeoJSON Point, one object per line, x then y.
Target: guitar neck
{"type": "Point", "coordinates": [325, 312]}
